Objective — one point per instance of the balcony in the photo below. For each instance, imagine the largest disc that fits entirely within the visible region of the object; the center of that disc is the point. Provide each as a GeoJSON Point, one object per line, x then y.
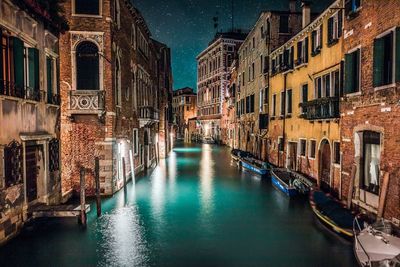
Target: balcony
{"type": "Point", "coordinates": [321, 109]}
{"type": "Point", "coordinates": [86, 102]}
{"type": "Point", "coordinates": [148, 115]}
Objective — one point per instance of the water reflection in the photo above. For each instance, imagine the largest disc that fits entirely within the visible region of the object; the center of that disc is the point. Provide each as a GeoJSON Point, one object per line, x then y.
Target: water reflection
{"type": "Point", "coordinates": [206, 176]}
{"type": "Point", "coordinates": [121, 241]}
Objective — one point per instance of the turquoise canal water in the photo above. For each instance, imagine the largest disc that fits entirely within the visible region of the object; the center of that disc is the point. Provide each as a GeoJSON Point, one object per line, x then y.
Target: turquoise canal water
{"type": "Point", "coordinates": [195, 209]}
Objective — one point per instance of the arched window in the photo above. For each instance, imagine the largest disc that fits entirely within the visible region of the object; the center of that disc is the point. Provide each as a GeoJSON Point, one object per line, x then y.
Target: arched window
{"type": "Point", "coordinates": [118, 81]}
{"type": "Point", "coordinates": [87, 66]}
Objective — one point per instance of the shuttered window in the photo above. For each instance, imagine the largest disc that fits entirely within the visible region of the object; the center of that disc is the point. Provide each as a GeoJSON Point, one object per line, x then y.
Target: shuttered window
{"type": "Point", "coordinates": [19, 73]}
{"type": "Point", "coordinates": [289, 102]}
{"type": "Point", "coordinates": [397, 55]}
{"type": "Point", "coordinates": [383, 60]}
{"type": "Point", "coordinates": [49, 71]}
{"type": "Point", "coordinates": [352, 72]}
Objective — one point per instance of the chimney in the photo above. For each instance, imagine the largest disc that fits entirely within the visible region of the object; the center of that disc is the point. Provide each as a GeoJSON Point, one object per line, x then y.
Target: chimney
{"type": "Point", "coordinates": [306, 13]}
{"type": "Point", "coordinates": [292, 6]}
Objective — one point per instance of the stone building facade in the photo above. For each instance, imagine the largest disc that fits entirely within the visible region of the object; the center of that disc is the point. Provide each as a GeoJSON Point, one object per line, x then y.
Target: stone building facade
{"type": "Point", "coordinates": [184, 107]}
{"type": "Point", "coordinates": [272, 29]}
{"type": "Point", "coordinates": [29, 112]}
{"type": "Point", "coordinates": [370, 112]}
{"type": "Point", "coordinates": [110, 94]}
{"type": "Point", "coordinates": [213, 68]}
{"type": "Point", "coordinates": [305, 86]}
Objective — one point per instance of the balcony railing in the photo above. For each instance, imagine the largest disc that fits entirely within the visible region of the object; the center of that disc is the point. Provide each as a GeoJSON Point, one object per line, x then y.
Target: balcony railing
{"type": "Point", "coordinates": [148, 113]}
{"type": "Point", "coordinates": [86, 101]}
{"type": "Point", "coordinates": [321, 109]}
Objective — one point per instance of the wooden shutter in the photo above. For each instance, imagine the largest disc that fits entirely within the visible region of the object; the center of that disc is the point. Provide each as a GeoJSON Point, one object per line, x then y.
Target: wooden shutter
{"type": "Point", "coordinates": [330, 30]}
{"type": "Point", "coordinates": [49, 71]}
{"type": "Point", "coordinates": [321, 35]}
{"type": "Point", "coordinates": [307, 50]}
{"type": "Point", "coordinates": [33, 65]}
{"type": "Point", "coordinates": [340, 23]}
{"type": "Point", "coordinates": [397, 59]}
{"type": "Point", "coordinates": [378, 61]}
{"type": "Point", "coordinates": [299, 51]}
{"type": "Point", "coordinates": [18, 53]}
{"type": "Point", "coordinates": [348, 75]}
{"type": "Point", "coordinates": [291, 56]}
{"type": "Point", "coordinates": [313, 41]}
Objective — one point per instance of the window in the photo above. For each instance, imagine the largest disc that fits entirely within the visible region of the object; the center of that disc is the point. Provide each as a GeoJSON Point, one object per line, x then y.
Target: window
{"type": "Point", "coordinates": [134, 92]}
{"type": "Point", "coordinates": [371, 161]}
{"type": "Point", "coordinates": [316, 41]}
{"type": "Point", "coordinates": [261, 64]}
{"type": "Point", "coordinates": [318, 88]}
{"type": "Point", "coordinates": [253, 68]}
{"type": "Point", "coordinates": [282, 103]}
{"type": "Point", "coordinates": [312, 146]}
{"type": "Point", "coordinates": [117, 14]}
{"type": "Point", "coordinates": [32, 75]}
{"type": "Point", "coordinates": [336, 152]}
{"type": "Point", "coordinates": [335, 28]}
{"type": "Point", "coordinates": [252, 103]}
{"type": "Point", "coordinates": [52, 83]}
{"type": "Point", "coordinates": [352, 72]}
{"type": "Point", "coordinates": [254, 42]}
{"type": "Point", "coordinates": [87, 7]}
{"type": "Point", "coordinates": [384, 60]}
{"type": "Point", "coordinates": [302, 149]}
{"type": "Point", "coordinates": [133, 35]}
{"type": "Point", "coordinates": [243, 78]}
{"type": "Point", "coordinates": [87, 66]}
{"type": "Point", "coordinates": [261, 100]}
{"type": "Point", "coordinates": [302, 51]}
{"type": "Point", "coordinates": [352, 6]}
{"type": "Point", "coordinates": [304, 96]}
{"type": "Point", "coordinates": [274, 105]}
{"type": "Point", "coordinates": [336, 83]}
{"type": "Point", "coordinates": [118, 96]}
{"type": "Point", "coordinates": [327, 85]}
{"type": "Point", "coordinates": [284, 24]}
{"type": "Point", "coordinates": [280, 144]}
{"type": "Point", "coordinates": [249, 79]}
{"type": "Point", "coordinates": [289, 102]}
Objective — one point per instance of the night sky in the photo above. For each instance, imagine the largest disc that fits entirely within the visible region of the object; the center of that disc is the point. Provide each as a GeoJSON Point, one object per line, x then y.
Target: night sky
{"type": "Point", "coordinates": [187, 27]}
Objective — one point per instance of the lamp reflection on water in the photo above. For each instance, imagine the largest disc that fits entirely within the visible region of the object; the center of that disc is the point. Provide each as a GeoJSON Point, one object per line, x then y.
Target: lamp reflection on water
{"type": "Point", "coordinates": [206, 180]}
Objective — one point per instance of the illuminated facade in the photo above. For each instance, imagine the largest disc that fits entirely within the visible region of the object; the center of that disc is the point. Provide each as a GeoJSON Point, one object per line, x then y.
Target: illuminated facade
{"type": "Point", "coordinates": [184, 107]}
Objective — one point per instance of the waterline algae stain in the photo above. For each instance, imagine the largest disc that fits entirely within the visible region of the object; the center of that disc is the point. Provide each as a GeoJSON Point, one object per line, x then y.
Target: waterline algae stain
{"type": "Point", "coordinates": [195, 209]}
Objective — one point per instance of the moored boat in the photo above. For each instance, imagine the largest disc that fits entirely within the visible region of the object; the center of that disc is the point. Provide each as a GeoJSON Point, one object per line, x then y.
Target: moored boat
{"type": "Point", "coordinates": [332, 214]}
{"type": "Point", "coordinates": [375, 245]}
{"type": "Point", "coordinates": [256, 166]}
{"type": "Point", "coordinates": [283, 180]}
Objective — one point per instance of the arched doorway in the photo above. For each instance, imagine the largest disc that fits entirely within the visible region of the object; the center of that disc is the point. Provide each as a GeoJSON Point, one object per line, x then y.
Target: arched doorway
{"type": "Point", "coordinates": [325, 165]}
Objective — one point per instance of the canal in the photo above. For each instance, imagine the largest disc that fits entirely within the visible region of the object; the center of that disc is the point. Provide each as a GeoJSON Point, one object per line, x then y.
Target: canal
{"type": "Point", "coordinates": [194, 209]}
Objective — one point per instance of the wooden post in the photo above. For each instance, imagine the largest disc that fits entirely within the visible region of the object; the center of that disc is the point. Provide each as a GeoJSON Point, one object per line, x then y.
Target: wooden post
{"type": "Point", "coordinates": [382, 198]}
{"type": "Point", "coordinates": [124, 173]}
{"type": "Point", "coordinates": [97, 181]}
{"type": "Point", "coordinates": [351, 186]}
{"type": "Point", "coordinates": [83, 197]}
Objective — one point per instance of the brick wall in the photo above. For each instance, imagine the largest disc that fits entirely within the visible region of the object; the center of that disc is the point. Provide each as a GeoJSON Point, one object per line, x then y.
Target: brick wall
{"type": "Point", "coordinates": [371, 109]}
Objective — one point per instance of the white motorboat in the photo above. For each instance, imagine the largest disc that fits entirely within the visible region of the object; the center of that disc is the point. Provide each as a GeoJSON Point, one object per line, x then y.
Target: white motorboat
{"type": "Point", "coordinates": [375, 246]}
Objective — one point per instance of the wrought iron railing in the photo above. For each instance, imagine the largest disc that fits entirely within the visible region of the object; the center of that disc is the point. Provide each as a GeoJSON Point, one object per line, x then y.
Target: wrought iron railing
{"type": "Point", "coordinates": [148, 113]}
{"type": "Point", "coordinates": [54, 99]}
{"type": "Point", "coordinates": [86, 101]}
{"type": "Point", "coordinates": [321, 108]}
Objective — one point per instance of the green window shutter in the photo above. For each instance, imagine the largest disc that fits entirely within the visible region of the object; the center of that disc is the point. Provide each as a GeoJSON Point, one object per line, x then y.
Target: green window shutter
{"type": "Point", "coordinates": [18, 51]}
{"type": "Point", "coordinates": [397, 59]}
{"type": "Point", "coordinates": [58, 76]}
{"type": "Point", "coordinates": [33, 66]}
{"type": "Point", "coordinates": [379, 45]}
{"type": "Point", "coordinates": [1, 64]}
{"type": "Point", "coordinates": [348, 74]}
{"type": "Point", "coordinates": [49, 79]}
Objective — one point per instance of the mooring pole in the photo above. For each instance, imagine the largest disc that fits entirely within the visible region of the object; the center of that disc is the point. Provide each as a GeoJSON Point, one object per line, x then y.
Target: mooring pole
{"type": "Point", "coordinates": [97, 181]}
{"type": "Point", "coordinates": [124, 173]}
{"type": "Point", "coordinates": [82, 196]}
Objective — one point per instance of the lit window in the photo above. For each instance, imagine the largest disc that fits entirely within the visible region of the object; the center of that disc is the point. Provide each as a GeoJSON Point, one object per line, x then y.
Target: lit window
{"type": "Point", "coordinates": [371, 161]}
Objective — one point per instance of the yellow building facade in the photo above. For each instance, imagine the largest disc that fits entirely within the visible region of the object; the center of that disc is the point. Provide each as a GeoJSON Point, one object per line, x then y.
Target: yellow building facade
{"type": "Point", "coordinates": [305, 87]}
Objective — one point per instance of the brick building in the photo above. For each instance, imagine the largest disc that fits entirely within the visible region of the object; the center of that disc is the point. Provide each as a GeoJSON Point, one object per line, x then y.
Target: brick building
{"type": "Point", "coordinates": [213, 67]}
{"type": "Point", "coordinates": [29, 111]}
{"type": "Point", "coordinates": [184, 107]}
{"type": "Point", "coordinates": [110, 93]}
{"type": "Point", "coordinates": [272, 29]}
{"type": "Point", "coordinates": [370, 112]}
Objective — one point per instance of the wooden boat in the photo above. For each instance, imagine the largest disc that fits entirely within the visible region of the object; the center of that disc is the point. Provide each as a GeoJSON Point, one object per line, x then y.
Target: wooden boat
{"type": "Point", "coordinates": [235, 154]}
{"type": "Point", "coordinates": [332, 214]}
{"type": "Point", "coordinates": [256, 166]}
{"type": "Point", "coordinates": [375, 245]}
{"type": "Point", "coordinates": [283, 180]}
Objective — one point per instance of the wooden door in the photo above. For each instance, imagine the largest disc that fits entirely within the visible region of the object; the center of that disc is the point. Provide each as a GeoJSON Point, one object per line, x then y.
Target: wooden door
{"type": "Point", "coordinates": [32, 171]}
{"type": "Point", "coordinates": [325, 165]}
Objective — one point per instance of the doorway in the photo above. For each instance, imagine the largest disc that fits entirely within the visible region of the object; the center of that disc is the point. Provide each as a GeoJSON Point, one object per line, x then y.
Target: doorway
{"type": "Point", "coordinates": [325, 165]}
{"type": "Point", "coordinates": [34, 162]}
{"type": "Point", "coordinates": [292, 156]}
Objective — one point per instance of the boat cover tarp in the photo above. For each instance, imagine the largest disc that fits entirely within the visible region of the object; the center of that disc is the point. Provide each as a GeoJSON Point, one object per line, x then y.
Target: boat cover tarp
{"type": "Point", "coordinates": [332, 209]}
